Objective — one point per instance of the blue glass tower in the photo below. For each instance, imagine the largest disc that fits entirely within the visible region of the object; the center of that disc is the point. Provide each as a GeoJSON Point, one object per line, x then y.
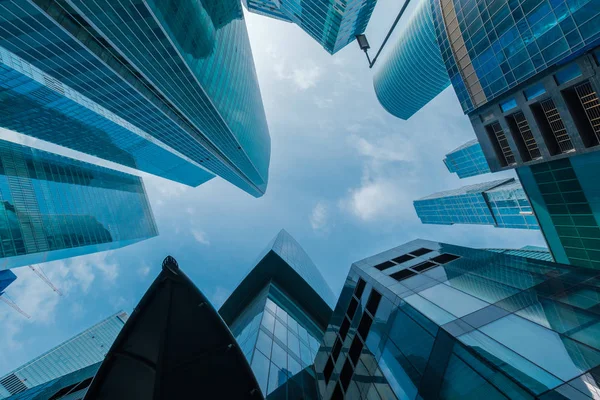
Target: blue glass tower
{"type": "Point", "coordinates": [332, 23]}
{"type": "Point", "coordinates": [133, 81]}
{"type": "Point", "coordinates": [278, 314]}
{"type": "Point", "coordinates": [6, 278]}
{"type": "Point", "coordinates": [83, 350]}
{"type": "Point", "coordinates": [428, 320]}
{"type": "Point", "coordinates": [56, 207]}
{"type": "Point", "coordinates": [565, 197]}
{"type": "Point", "coordinates": [467, 160]}
{"type": "Point", "coordinates": [501, 203]}
{"type": "Point", "coordinates": [535, 252]}
{"type": "Point", "coordinates": [413, 73]}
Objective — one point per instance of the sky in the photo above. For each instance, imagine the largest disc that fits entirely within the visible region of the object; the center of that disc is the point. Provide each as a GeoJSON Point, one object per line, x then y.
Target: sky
{"type": "Point", "coordinates": [343, 176]}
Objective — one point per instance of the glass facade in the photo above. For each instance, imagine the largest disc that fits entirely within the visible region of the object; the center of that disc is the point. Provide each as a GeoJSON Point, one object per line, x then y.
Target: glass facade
{"type": "Point", "coordinates": [467, 160]}
{"type": "Point", "coordinates": [83, 350]}
{"type": "Point", "coordinates": [501, 203]}
{"type": "Point", "coordinates": [278, 315]}
{"type": "Point", "coordinates": [56, 207]}
{"type": "Point", "coordinates": [332, 23]}
{"type": "Point", "coordinates": [535, 252]}
{"type": "Point", "coordinates": [489, 47]}
{"type": "Point", "coordinates": [180, 72]}
{"type": "Point", "coordinates": [6, 278]}
{"type": "Point", "coordinates": [430, 320]}
{"type": "Point", "coordinates": [413, 73]}
{"type": "Point", "coordinates": [566, 199]}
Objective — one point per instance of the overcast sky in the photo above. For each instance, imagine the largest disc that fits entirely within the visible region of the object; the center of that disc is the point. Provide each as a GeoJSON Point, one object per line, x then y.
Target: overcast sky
{"type": "Point", "coordinates": [343, 177]}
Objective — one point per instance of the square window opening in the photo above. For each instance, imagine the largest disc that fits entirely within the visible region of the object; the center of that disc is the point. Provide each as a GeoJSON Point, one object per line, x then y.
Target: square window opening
{"type": "Point", "coordinates": [352, 308]}
{"type": "Point", "coordinates": [385, 265]}
{"type": "Point", "coordinates": [344, 329]}
{"type": "Point", "coordinates": [420, 252]}
{"type": "Point", "coordinates": [373, 302]}
{"type": "Point", "coordinates": [364, 326]}
{"type": "Point", "coordinates": [360, 287]}
{"type": "Point", "coordinates": [424, 266]}
{"type": "Point", "coordinates": [403, 258]}
{"type": "Point", "coordinates": [355, 350]}
{"type": "Point", "coordinates": [400, 275]}
{"type": "Point", "coordinates": [445, 258]}
{"type": "Point", "coordinates": [346, 374]}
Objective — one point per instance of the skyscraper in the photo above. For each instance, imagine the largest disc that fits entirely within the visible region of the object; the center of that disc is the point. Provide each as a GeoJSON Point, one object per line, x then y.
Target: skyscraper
{"type": "Point", "coordinates": [333, 24]}
{"type": "Point", "coordinates": [467, 160]}
{"type": "Point", "coordinates": [165, 86]}
{"type": "Point", "coordinates": [565, 197]}
{"type": "Point", "coordinates": [82, 350]}
{"type": "Point", "coordinates": [501, 203]}
{"type": "Point", "coordinates": [526, 73]}
{"type": "Point", "coordinates": [278, 314]}
{"type": "Point", "coordinates": [55, 207]}
{"type": "Point", "coordinates": [535, 252]}
{"type": "Point", "coordinates": [413, 73]}
{"type": "Point", "coordinates": [6, 278]}
{"type": "Point", "coordinates": [428, 320]}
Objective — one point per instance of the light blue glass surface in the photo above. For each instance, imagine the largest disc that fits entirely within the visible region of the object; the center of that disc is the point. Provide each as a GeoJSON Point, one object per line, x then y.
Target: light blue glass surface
{"type": "Point", "coordinates": [501, 203]}
{"type": "Point", "coordinates": [87, 348]}
{"type": "Point", "coordinates": [413, 72]}
{"type": "Point", "coordinates": [509, 41]}
{"type": "Point", "coordinates": [332, 23]}
{"type": "Point", "coordinates": [55, 207]}
{"type": "Point", "coordinates": [165, 67]}
{"type": "Point", "coordinates": [467, 160]}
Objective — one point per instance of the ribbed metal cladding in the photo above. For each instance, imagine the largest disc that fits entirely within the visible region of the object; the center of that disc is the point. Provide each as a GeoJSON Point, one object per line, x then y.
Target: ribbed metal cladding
{"type": "Point", "coordinates": [557, 126]}
{"type": "Point", "coordinates": [500, 136]}
{"type": "Point", "coordinates": [527, 135]}
{"type": "Point", "coordinates": [589, 100]}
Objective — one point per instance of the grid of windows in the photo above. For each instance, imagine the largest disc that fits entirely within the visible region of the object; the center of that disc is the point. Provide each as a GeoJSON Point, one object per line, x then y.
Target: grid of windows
{"type": "Point", "coordinates": [333, 24]}
{"type": "Point", "coordinates": [501, 203]}
{"type": "Point", "coordinates": [482, 327]}
{"type": "Point", "coordinates": [87, 348]}
{"type": "Point", "coordinates": [509, 41]}
{"type": "Point", "coordinates": [277, 343]}
{"type": "Point", "coordinates": [53, 207]}
{"type": "Point", "coordinates": [413, 73]}
{"type": "Point", "coordinates": [172, 73]}
{"type": "Point", "coordinates": [467, 160]}
{"type": "Point", "coordinates": [570, 211]}
{"type": "Point", "coordinates": [537, 253]}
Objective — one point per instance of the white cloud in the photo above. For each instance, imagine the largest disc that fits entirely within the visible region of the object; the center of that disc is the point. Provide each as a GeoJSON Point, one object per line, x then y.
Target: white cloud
{"type": "Point", "coordinates": [303, 78]}
{"type": "Point", "coordinates": [323, 102]}
{"type": "Point", "coordinates": [144, 270]}
{"type": "Point", "coordinates": [319, 218]}
{"type": "Point", "coordinates": [200, 237]}
{"type": "Point", "coordinates": [219, 296]}
{"type": "Point", "coordinates": [388, 148]}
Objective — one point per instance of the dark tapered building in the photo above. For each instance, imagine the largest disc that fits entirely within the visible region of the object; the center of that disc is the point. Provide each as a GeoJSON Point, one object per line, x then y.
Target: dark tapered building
{"type": "Point", "coordinates": [163, 86]}
{"type": "Point", "coordinates": [278, 314]}
{"type": "Point", "coordinates": [54, 207]}
{"type": "Point", "coordinates": [428, 320]}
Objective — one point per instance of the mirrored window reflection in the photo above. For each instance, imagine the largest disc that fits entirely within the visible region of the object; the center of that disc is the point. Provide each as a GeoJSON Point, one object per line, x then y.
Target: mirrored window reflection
{"type": "Point", "coordinates": [452, 300]}
{"type": "Point", "coordinates": [461, 382]}
{"type": "Point", "coordinates": [279, 356]}
{"type": "Point", "coordinates": [260, 367]}
{"type": "Point", "coordinates": [268, 321]}
{"type": "Point", "coordinates": [567, 359]}
{"type": "Point", "coordinates": [430, 310]}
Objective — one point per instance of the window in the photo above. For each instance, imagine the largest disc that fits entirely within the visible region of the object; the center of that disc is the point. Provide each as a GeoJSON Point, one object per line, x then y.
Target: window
{"type": "Point", "coordinates": [373, 302]}
{"type": "Point", "coordinates": [328, 370]}
{"type": "Point", "coordinates": [571, 72]}
{"type": "Point", "coordinates": [337, 348]}
{"type": "Point", "coordinates": [344, 328]}
{"type": "Point", "coordinates": [500, 143]}
{"type": "Point", "coordinates": [521, 132]}
{"type": "Point", "coordinates": [400, 275]}
{"type": "Point", "coordinates": [403, 258]}
{"type": "Point", "coordinates": [360, 288]}
{"type": "Point", "coordinates": [364, 326]}
{"type": "Point", "coordinates": [346, 374]}
{"type": "Point", "coordinates": [355, 350]}
{"type": "Point", "coordinates": [384, 265]}
{"type": "Point", "coordinates": [552, 127]}
{"type": "Point", "coordinates": [508, 105]}
{"type": "Point", "coordinates": [420, 252]}
{"type": "Point", "coordinates": [337, 393]}
{"type": "Point", "coordinates": [352, 308]}
{"type": "Point", "coordinates": [423, 266]}
{"type": "Point", "coordinates": [445, 258]}
{"type": "Point", "coordinates": [534, 91]}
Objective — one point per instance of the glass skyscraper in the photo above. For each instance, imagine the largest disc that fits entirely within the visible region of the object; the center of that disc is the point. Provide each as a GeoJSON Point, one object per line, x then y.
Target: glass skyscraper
{"type": "Point", "coordinates": [413, 73]}
{"type": "Point", "coordinates": [6, 278]}
{"type": "Point", "coordinates": [82, 350]}
{"type": "Point", "coordinates": [501, 203]}
{"type": "Point", "coordinates": [55, 207]}
{"type": "Point", "coordinates": [278, 314]}
{"type": "Point", "coordinates": [332, 23]}
{"type": "Point", "coordinates": [467, 160]}
{"type": "Point", "coordinates": [565, 197]}
{"type": "Point", "coordinates": [535, 252]}
{"type": "Point", "coordinates": [428, 320]}
{"type": "Point", "coordinates": [134, 80]}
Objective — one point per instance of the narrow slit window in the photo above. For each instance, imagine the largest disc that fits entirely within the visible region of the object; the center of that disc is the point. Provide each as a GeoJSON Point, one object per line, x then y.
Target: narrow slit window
{"type": "Point", "coordinates": [420, 252]}
{"type": "Point", "coordinates": [403, 258]}
{"type": "Point", "coordinates": [423, 266]}
{"type": "Point", "coordinates": [444, 258]}
{"type": "Point", "coordinates": [400, 275]}
{"type": "Point", "coordinates": [385, 265]}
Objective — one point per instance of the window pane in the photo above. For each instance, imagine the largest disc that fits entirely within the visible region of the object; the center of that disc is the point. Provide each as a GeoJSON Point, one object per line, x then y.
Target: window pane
{"type": "Point", "coordinates": [279, 356]}
{"type": "Point", "coordinates": [260, 367]}
{"type": "Point", "coordinates": [281, 332]}
{"type": "Point", "coordinates": [452, 300]}
{"type": "Point", "coordinates": [292, 324]}
{"type": "Point", "coordinates": [274, 378]}
{"type": "Point", "coordinates": [268, 321]}
{"type": "Point", "coordinates": [305, 354]}
{"type": "Point", "coordinates": [558, 355]}
{"type": "Point", "coordinates": [294, 344]}
{"type": "Point", "coordinates": [282, 314]}
{"type": "Point", "coordinates": [293, 365]}
{"type": "Point", "coordinates": [271, 306]}
{"type": "Point", "coordinates": [429, 309]}
{"type": "Point", "coordinates": [264, 343]}
{"type": "Point", "coordinates": [461, 382]}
